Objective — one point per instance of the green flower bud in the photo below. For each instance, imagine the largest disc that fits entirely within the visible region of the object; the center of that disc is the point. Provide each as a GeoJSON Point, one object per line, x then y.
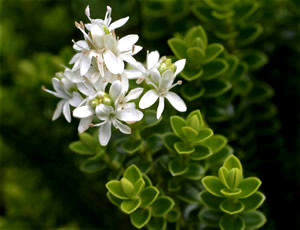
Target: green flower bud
{"type": "Point", "coordinates": [165, 65]}
{"type": "Point", "coordinates": [106, 30]}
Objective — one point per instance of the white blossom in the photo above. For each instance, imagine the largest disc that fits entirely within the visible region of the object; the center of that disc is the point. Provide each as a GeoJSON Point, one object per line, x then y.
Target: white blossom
{"type": "Point", "coordinates": [162, 84]}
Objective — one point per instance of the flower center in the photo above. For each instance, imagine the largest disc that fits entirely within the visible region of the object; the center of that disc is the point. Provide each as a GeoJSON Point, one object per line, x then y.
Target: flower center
{"type": "Point", "coordinates": [101, 99]}
{"type": "Point", "coordinates": [165, 65]}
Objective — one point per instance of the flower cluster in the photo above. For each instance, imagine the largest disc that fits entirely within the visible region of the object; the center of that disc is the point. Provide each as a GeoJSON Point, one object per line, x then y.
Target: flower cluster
{"type": "Point", "coordinates": [97, 85]}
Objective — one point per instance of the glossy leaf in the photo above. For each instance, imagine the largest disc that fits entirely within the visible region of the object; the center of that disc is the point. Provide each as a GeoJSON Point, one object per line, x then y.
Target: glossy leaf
{"type": "Point", "coordinates": [177, 123]}
{"type": "Point", "coordinates": [228, 222]}
{"type": "Point", "coordinates": [127, 186]}
{"type": "Point", "coordinates": [189, 132]}
{"type": "Point", "coordinates": [194, 172]}
{"type": "Point", "coordinates": [220, 155]}
{"type": "Point", "coordinates": [161, 206]}
{"type": "Point", "coordinates": [189, 194]}
{"type": "Point", "coordinates": [254, 219]}
{"type": "Point", "coordinates": [233, 162]}
{"type": "Point", "coordinates": [138, 186]}
{"type": "Point", "coordinates": [92, 166]}
{"type": "Point", "coordinates": [80, 148]}
{"type": "Point", "coordinates": [149, 119]}
{"type": "Point", "coordinates": [191, 74]}
{"type": "Point", "coordinates": [210, 217]}
{"type": "Point", "coordinates": [169, 140]}
{"type": "Point", "coordinates": [129, 206]}
{"type": "Point", "coordinates": [140, 218]}
{"type": "Point", "coordinates": [249, 186]}
{"type": "Point", "coordinates": [132, 146]}
{"type": "Point", "coordinates": [183, 148]}
{"type": "Point", "coordinates": [157, 224]}
{"type": "Point", "coordinates": [132, 173]}
{"type": "Point", "coordinates": [213, 185]}
{"type": "Point", "coordinates": [178, 47]}
{"type": "Point", "coordinates": [254, 201]}
{"type": "Point", "coordinates": [204, 134]}
{"type": "Point", "coordinates": [214, 69]}
{"type": "Point", "coordinates": [210, 200]}
{"type": "Point", "coordinates": [232, 207]}
{"type": "Point", "coordinates": [115, 188]}
{"type": "Point", "coordinates": [201, 152]}
{"type": "Point", "coordinates": [148, 196]}
{"type": "Point", "coordinates": [114, 200]}
{"type": "Point", "coordinates": [195, 120]}
{"type": "Point", "coordinates": [216, 143]}
{"type": "Point", "coordinates": [178, 167]}
{"type": "Point", "coordinates": [191, 92]}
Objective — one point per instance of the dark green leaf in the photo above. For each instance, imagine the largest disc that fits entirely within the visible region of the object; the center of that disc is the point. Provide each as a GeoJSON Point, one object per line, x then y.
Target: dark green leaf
{"type": "Point", "coordinates": [178, 167]}
{"type": "Point", "coordinates": [195, 55]}
{"type": "Point", "coordinates": [210, 200]}
{"type": "Point", "coordinates": [80, 148]}
{"type": "Point", "coordinates": [191, 92]}
{"type": "Point", "coordinates": [173, 216]}
{"type": "Point", "coordinates": [194, 172]}
{"type": "Point", "coordinates": [249, 34]}
{"type": "Point", "coordinates": [177, 123]}
{"type": "Point", "coordinates": [210, 217]}
{"type": "Point", "coordinates": [231, 207]}
{"type": "Point", "coordinates": [150, 119]}
{"type": "Point", "coordinates": [114, 200]}
{"type": "Point", "coordinates": [162, 206]}
{"type": "Point", "coordinates": [153, 143]}
{"type": "Point", "coordinates": [212, 51]}
{"type": "Point", "coordinates": [131, 146]}
{"type": "Point", "coordinates": [178, 47]}
{"type": "Point", "coordinates": [216, 143]}
{"type": "Point", "coordinates": [157, 224]}
{"type": "Point", "coordinates": [189, 73]}
{"type": "Point", "coordinates": [169, 140]}
{"type": "Point", "coordinates": [148, 196]}
{"type": "Point", "coordinates": [254, 219]}
{"type": "Point", "coordinates": [183, 148]}
{"type": "Point", "coordinates": [220, 155]}
{"type": "Point", "coordinates": [189, 194]}
{"type": "Point", "coordinates": [92, 166]}
{"type": "Point", "coordinates": [201, 152]}
{"type": "Point", "coordinates": [215, 88]}
{"type": "Point", "coordinates": [214, 69]}
{"type": "Point", "coordinates": [196, 32]}
{"type": "Point", "coordinates": [254, 201]}
{"type": "Point", "coordinates": [255, 59]}
{"type": "Point", "coordinates": [231, 223]}
{"type": "Point", "coordinates": [140, 218]}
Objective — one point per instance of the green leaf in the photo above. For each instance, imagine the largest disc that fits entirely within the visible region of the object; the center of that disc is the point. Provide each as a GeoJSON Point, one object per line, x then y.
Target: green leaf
{"type": "Point", "coordinates": [177, 123]}
{"type": "Point", "coordinates": [149, 119]}
{"type": "Point", "coordinates": [204, 134]}
{"type": "Point", "coordinates": [201, 152]}
{"type": "Point", "coordinates": [190, 73]}
{"type": "Point", "coordinates": [221, 5]}
{"type": "Point", "coordinates": [80, 148]}
{"type": "Point", "coordinates": [138, 186]}
{"type": "Point", "coordinates": [231, 193]}
{"type": "Point", "coordinates": [183, 148]}
{"type": "Point", "coordinates": [191, 92]}
{"type": "Point", "coordinates": [210, 217]}
{"type": "Point", "coordinates": [92, 166]}
{"type": "Point", "coordinates": [233, 177]}
{"type": "Point", "coordinates": [232, 207]}
{"type": "Point", "coordinates": [254, 219]}
{"type": "Point", "coordinates": [218, 113]}
{"type": "Point", "coordinates": [216, 143]}
{"type": "Point", "coordinates": [210, 200]}
{"type": "Point", "coordinates": [216, 87]}
{"type": "Point", "coordinates": [214, 69]}
{"type": "Point", "coordinates": [178, 167]}
{"type": "Point", "coordinates": [213, 185]}
{"type": "Point", "coordinates": [189, 132]}
{"type": "Point", "coordinates": [169, 140]}
{"type": "Point", "coordinates": [129, 206]}
{"type": "Point", "coordinates": [228, 222]}
{"type": "Point", "coordinates": [140, 218]}
{"type": "Point", "coordinates": [157, 224]}
{"type": "Point", "coordinates": [114, 187]}
{"type": "Point", "coordinates": [189, 194]}
{"type": "Point", "coordinates": [196, 32]}
{"type": "Point", "coordinates": [195, 55]}
{"type": "Point", "coordinates": [213, 51]}
{"type": "Point", "coordinates": [162, 205]}
{"type": "Point", "coordinates": [261, 92]}
{"type": "Point", "coordinates": [220, 155]}
{"type": "Point", "coordinates": [89, 141]}
{"type": "Point", "coordinates": [131, 146]}
{"type": "Point", "coordinates": [132, 173]}
{"type": "Point", "coordinates": [127, 186]}
{"type": "Point", "coordinates": [114, 200]}
{"type": "Point", "coordinates": [249, 186]}
{"type": "Point", "coordinates": [153, 143]}
{"type": "Point", "coordinates": [173, 216]}
{"type": "Point", "coordinates": [198, 43]}
{"type": "Point", "coordinates": [245, 10]}
{"type": "Point", "coordinates": [240, 72]}
{"type": "Point", "coordinates": [195, 120]}
{"type": "Point", "coordinates": [178, 47]}
{"type": "Point", "coordinates": [253, 202]}
{"type": "Point", "coordinates": [194, 172]}
{"type": "Point", "coordinates": [148, 196]}
{"type": "Point", "coordinates": [255, 59]}
{"type": "Point", "coordinates": [232, 162]}
{"type": "Point", "coordinates": [249, 34]}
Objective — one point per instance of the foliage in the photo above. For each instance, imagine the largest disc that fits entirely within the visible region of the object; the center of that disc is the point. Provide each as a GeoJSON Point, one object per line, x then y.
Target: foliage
{"type": "Point", "coordinates": [241, 73]}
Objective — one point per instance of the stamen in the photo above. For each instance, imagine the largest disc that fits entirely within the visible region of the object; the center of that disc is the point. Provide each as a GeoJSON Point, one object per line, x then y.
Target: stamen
{"type": "Point", "coordinates": [177, 83]}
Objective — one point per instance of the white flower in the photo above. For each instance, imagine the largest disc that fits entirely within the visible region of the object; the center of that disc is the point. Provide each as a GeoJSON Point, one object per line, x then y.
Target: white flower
{"type": "Point", "coordinates": [114, 114]}
{"type": "Point", "coordinates": [106, 22]}
{"type": "Point", "coordinates": [62, 91]}
{"type": "Point", "coordinates": [162, 84]}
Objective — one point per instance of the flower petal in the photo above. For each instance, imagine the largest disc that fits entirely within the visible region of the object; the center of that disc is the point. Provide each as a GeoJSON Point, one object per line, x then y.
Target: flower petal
{"type": "Point", "coordinates": [58, 110]}
{"type": "Point", "coordinates": [103, 111]}
{"type": "Point", "coordinates": [166, 79]}
{"type": "Point", "coordinates": [133, 74]}
{"type": "Point", "coordinates": [126, 43]}
{"type": "Point", "coordinates": [179, 66]}
{"type": "Point", "coordinates": [118, 23]}
{"type": "Point", "coordinates": [148, 99]}
{"type": "Point", "coordinates": [105, 133]}
{"type": "Point", "coordinates": [76, 99]}
{"type": "Point", "coordinates": [152, 59]}
{"type": "Point", "coordinates": [114, 64]}
{"type": "Point", "coordinates": [129, 59]}
{"type": "Point", "coordinates": [86, 88]}
{"type": "Point", "coordinates": [155, 76]}
{"type": "Point", "coordinates": [84, 124]}
{"type": "Point", "coordinates": [115, 90]}
{"type": "Point", "coordinates": [129, 115]}
{"type": "Point", "coordinates": [134, 94]}
{"type": "Point", "coordinates": [110, 42]}
{"type": "Point", "coordinates": [67, 112]}
{"type": "Point", "coordinates": [176, 101]}
{"type": "Point", "coordinates": [81, 45]}
{"type": "Point", "coordinates": [160, 108]}
{"type": "Point", "coordinates": [136, 49]}
{"type": "Point", "coordinates": [75, 58]}
{"type": "Point", "coordinates": [83, 111]}
{"type": "Point", "coordinates": [57, 85]}
{"type": "Point", "coordinates": [123, 128]}
{"type": "Point", "coordinates": [85, 63]}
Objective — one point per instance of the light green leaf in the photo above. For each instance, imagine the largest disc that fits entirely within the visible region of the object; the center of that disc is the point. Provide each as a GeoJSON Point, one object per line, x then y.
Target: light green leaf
{"type": "Point", "coordinates": [178, 47]}
{"type": "Point", "coordinates": [177, 123]}
{"type": "Point", "coordinates": [212, 51]}
{"type": "Point", "coordinates": [114, 187]}
{"type": "Point", "coordinates": [232, 162]}
{"type": "Point", "coordinates": [129, 206]}
{"type": "Point", "coordinates": [183, 148]}
{"type": "Point", "coordinates": [132, 173]}
{"type": "Point", "coordinates": [201, 152]}
{"type": "Point", "coordinates": [216, 143]}
{"type": "Point", "coordinates": [254, 201]}
{"type": "Point", "coordinates": [195, 120]}
{"type": "Point", "coordinates": [213, 185]}
{"type": "Point", "coordinates": [249, 186]}
{"type": "Point", "coordinates": [148, 196]}
{"type": "Point", "coordinates": [127, 186]}
{"type": "Point", "coordinates": [232, 207]}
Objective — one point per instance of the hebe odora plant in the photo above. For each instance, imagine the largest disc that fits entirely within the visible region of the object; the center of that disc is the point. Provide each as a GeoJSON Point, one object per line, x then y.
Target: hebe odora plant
{"type": "Point", "coordinates": [155, 174]}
